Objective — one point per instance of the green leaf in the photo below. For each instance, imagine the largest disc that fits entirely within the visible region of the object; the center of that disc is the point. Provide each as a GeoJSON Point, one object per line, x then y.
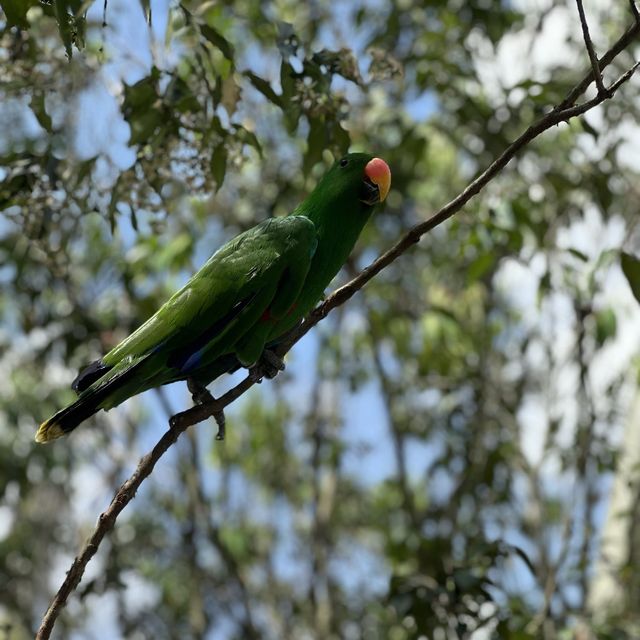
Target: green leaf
{"type": "Point", "coordinates": [37, 106]}
{"type": "Point", "coordinates": [144, 126]}
{"type": "Point", "coordinates": [292, 111]}
{"type": "Point", "coordinates": [134, 219]}
{"type": "Point", "coordinates": [589, 129]}
{"type": "Point", "coordinates": [544, 287]}
{"type": "Point", "coordinates": [341, 140]}
{"type": "Point", "coordinates": [71, 23]}
{"type": "Point", "coordinates": [16, 12]}
{"type": "Point", "coordinates": [631, 269]}
{"type": "Point", "coordinates": [606, 325]}
{"type": "Point", "coordinates": [578, 254]}
{"type": "Point", "coordinates": [230, 94]}
{"type": "Point", "coordinates": [180, 96]}
{"type": "Point", "coordinates": [316, 143]}
{"type": "Point", "coordinates": [13, 186]}
{"type": "Point", "coordinates": [64, 26]}
{"type": "Point", "coordinates": [264, 88]}
{"type": "Point", "coordinates": [288, 82]}
{"type": "Point", "coordinates": [248, 137]}
{"type": "Point", "coordinates": [140, 96]}
{"type": "Point", "coordinates": [219, 164]}
{"type": "Point", "coordinates": [83, 170]}
{"type": "Point", "coordinates": [218, 40]}
{"type": "Point", "coordinates": [142, 108]}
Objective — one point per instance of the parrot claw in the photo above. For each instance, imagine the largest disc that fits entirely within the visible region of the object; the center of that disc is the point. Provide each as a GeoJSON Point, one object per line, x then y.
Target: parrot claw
{"type": "Point", "coordinates": [268, 366]}
{"type": "Point", "coordinates": [200, 395]}
{"type": "Point", "coordinates": [270, 357]}
{"type": "Point", "coordinates": [221, 421]}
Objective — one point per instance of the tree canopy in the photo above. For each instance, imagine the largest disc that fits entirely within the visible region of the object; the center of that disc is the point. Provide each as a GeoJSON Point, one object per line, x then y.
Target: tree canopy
{"type": "Point", "coordinates": [436, 460]}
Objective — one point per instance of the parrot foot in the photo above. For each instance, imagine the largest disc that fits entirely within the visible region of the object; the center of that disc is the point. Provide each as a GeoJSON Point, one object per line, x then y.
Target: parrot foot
{"type": "Point", "coordinates": [221, 421]}
{"type": "Point", "coordinates": [268, 366]}
{"type": "Point", "coordinates": [201, 395]}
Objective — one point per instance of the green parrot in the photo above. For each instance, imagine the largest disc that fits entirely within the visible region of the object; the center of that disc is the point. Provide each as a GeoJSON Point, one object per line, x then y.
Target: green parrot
{"type": "Point", "coordinates": [246, 297]}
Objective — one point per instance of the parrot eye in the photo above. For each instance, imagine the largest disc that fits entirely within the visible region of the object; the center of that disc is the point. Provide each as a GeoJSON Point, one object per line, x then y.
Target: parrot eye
{"type": "Point", "coordinates": [344, 162]}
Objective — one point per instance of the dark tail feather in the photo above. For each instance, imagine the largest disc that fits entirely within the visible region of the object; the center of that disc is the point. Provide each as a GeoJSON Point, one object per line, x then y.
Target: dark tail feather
{"type": "Point", "coordinates": [70, 417]}
{"type": "Point", "coordinates": [67, 419]}
{"type": "Point", "coordinates": [89, 375]}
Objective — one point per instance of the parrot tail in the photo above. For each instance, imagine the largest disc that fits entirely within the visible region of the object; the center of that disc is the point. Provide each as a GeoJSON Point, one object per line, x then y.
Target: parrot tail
{"type": "Point", "coordinates": [70, 417]}
{"type": "Point", "coordinates": [90, 401]}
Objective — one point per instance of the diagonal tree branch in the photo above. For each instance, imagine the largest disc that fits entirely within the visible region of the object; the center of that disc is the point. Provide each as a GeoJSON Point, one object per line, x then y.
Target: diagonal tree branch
{"type": "Point", "coordinates": [107, 519]}
{"type": "Point", "coordinates": [566, 110]}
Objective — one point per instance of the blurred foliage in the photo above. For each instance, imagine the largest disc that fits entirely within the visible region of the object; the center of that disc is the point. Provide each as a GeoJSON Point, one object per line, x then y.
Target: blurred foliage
{"type": "Point", "coordinates": [434, 464]}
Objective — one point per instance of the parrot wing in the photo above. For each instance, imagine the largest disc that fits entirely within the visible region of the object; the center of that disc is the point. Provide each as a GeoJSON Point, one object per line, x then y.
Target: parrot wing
{"type": "Point", "coordinates": [240, 280]}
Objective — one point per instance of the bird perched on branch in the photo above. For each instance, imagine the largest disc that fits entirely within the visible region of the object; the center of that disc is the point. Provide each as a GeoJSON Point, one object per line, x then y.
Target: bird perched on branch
{"type": "Point", "coordinates": [246, 297]}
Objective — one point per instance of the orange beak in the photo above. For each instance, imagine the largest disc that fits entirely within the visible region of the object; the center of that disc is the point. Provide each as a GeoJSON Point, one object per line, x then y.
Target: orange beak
{"type": "Point", "coordinates": [378, 172]}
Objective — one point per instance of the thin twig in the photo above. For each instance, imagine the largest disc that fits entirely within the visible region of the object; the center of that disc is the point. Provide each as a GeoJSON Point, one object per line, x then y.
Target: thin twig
{"type": "Point", "coordinates": [620, 45]}
{"type": "Point", "coordinates": [597, 74]}
{"type": "Point", "coordinates": [181, 421]}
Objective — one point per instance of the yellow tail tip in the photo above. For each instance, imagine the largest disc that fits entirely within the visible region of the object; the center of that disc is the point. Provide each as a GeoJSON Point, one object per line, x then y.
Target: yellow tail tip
{"type": "Point", "coordinates": [48, 431]}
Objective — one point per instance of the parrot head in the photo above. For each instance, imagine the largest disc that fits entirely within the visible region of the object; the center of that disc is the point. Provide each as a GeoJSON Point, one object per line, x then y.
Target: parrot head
{"type": "Point", "coordinates": [356, 177]}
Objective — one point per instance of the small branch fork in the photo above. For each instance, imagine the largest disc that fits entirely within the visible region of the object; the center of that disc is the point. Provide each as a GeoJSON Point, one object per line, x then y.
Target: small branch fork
{"type": "Point", "coordinates": [207, 406]}
{"type": "Point", "coordinates": [595, 65]}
